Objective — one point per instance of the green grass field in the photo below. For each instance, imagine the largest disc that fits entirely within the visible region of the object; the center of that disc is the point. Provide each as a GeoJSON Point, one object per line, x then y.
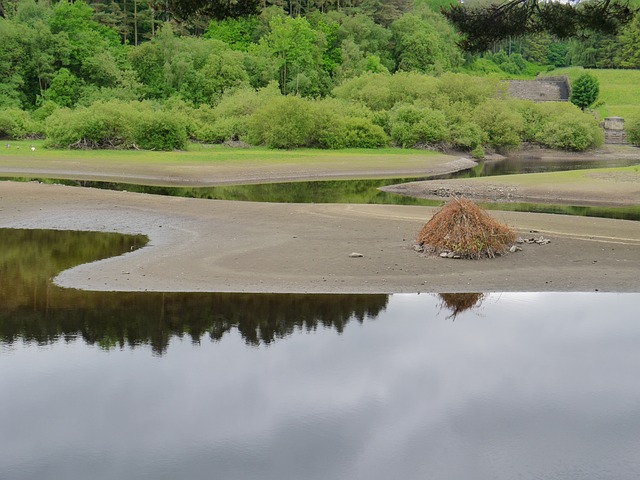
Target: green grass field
{"type": "Point", "coordinates": [618, 90]}
{"type": "Point", "coordinates": [214, 164]}
{"type": "Point", "coordinates": [208, 154]}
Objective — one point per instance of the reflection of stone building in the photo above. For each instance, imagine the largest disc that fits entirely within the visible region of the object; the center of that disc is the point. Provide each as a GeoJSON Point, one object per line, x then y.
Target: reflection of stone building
{"type": "Point", "coordinates": [542, 89]}
{"type": "Point", "coordinates": [614, 130]}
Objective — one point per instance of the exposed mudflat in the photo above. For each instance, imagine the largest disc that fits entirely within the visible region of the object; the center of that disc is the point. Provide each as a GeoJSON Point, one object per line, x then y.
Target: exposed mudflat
{"type": "Point", "coordinates": [207, 245]}
{"type": "Point", "coordinates": [587, 188]}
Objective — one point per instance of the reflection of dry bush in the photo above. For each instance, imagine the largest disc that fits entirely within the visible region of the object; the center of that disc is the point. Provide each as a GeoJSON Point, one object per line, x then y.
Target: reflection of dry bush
{"type": "Point", "coordinates": [459, 302]}
{"type": "Point", "coordinates": [464, 229]}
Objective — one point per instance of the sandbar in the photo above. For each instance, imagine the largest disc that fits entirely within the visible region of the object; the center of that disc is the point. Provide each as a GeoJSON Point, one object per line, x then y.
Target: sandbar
{"type": "Point", "coordinates": [223, 246]}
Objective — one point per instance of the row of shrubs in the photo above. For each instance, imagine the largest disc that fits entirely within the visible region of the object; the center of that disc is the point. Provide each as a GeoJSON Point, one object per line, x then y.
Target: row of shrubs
{"type": "Point", "coordinates": [113, 124]}
{"type": "Point", "coordinates": [376, 110]}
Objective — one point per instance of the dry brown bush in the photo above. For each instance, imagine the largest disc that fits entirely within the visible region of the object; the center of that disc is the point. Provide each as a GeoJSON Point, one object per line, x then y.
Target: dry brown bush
{"type": "Point", "coordinates": [463, 228]}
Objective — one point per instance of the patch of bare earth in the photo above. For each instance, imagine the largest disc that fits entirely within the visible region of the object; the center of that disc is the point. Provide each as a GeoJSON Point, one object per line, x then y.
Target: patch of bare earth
{"type": "Point", "coordinates": [218, 246]}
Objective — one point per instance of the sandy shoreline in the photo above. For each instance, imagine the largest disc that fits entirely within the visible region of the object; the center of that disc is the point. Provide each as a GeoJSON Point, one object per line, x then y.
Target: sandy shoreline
{"type": "Point", "coordinates": [218, 246]}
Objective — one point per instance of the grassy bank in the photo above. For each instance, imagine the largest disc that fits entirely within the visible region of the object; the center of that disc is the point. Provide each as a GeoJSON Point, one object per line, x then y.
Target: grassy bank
{"type": "Point", "coordinates": [618, 89]}
{"type": "Point", "coordinates": [214, 164]}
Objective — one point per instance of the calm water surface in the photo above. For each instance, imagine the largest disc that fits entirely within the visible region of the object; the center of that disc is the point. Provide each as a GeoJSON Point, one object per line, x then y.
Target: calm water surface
{"type": "Point", "coordinates": [523, 386]}
{"type": "Point", "coordinates": [201, 386]}
{"type": "Point", "coordinates": [366, 191]}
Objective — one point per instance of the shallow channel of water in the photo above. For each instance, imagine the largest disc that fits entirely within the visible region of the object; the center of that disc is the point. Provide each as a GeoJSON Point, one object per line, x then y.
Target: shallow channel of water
{"type": "Point", "coordinates": [366, 191]}
{"type": "Point", "coordinates": [238, 386]}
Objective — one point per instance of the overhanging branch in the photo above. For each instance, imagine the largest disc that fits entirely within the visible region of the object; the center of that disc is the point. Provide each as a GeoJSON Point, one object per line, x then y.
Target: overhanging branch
{"type": "Point", "coordinates": [483, 26]}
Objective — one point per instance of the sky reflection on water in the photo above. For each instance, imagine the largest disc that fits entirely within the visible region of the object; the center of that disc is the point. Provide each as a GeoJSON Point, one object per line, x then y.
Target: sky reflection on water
{"type": "Point", "coordinates": [522, 386]}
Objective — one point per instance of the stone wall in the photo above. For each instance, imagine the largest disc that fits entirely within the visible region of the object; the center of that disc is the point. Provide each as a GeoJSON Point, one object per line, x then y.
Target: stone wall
{"type": "Point", "coordinates": [614, 133]}
{"type": "Point", "coordinates": [544, 89]}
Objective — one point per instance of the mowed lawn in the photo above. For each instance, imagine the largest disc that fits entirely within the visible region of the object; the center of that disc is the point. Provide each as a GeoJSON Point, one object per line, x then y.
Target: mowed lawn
{"type": "Point", "coordinates": [619, 90]}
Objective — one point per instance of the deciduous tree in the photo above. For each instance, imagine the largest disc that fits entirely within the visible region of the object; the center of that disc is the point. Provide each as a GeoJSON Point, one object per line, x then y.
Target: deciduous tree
{"type": "Point", "coordinates": [584, 91]}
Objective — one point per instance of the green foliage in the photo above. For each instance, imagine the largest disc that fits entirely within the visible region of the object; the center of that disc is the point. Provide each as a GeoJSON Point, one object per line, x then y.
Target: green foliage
{"type": "Point", "coordinates": [199, 70]}
{"type": "Point", "coordinates": [218, 9]}
{"type": "Point", "coordinates": [478, 152]}
{"type": "Point", "coordinates": [103, 125]}
{"type": "Point", "coordinates": [424, 42]}
{"type": "Point", "coordinates": [484, 25]}
{"type": "Point", "coordinates": [467, 135]}
{"type": "Point", "coordinates": [627, 51]}
{"type": "Point", "coordinates": [16, 124]}
{"type": "Point", "coordinates": [159, 130]}
{"type": "Point", "coordinates": [85, 36]}
{"type": "Point", "coordinates": [570, 132]}
{"type": "Point", "coordinates": [349, 132]}
{"type": "Point", "coordinates": [413, 125]}
{"type": "Point", "coordinates": [467, 90]}
{"type": "Point", "coordinates": [593, 51]}
{"type": "Point", "coordinates": [501, 124]}
{"type": "Point", "coordinates": [338, 124]}
{"type": "Point", "coordinates": [557, 54]}
{"type": "Point", "coordinates": [282, 122]}
{"type": "Point", "coordinates": [632, 128]}
{"type": "Point", "coordinates": [296, 50]}
{"type": "Point", "coordinates": [231, 116]}
{"type": "Point", "coordinates": [372, 89]}
{"type": "Point", "coordinates": [43, 112]}
{"type": "Point", "coordinates": [64, 88]}
{"type": "Point", "coordinates": [559, 125]}
{"type": "Point", "coordinates": [361, 133]}
{"type": "Point", "coordinates": [238, 33]}
{"type": "Point", "coordinates": [116, 125]}
{"type": "Point", "coordinates": [222, 85]}
{"type": "Point", "coordinates": [513, 63]}
{"type": "Point", "coordinates": [584, 91]}
{"type": "Point", "coordinates": [362, 38]}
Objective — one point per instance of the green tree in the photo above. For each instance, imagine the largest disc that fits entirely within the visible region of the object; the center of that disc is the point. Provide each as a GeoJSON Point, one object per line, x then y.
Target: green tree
{"type": "Point", "coordinates": [86, 37]}
{"type": "Point", "coordinates": [628, 51]}
{"type": "Point", "coordinates": [235, 32]}
{"type": "Point", "coordinates": [64, 88]}
{"type": "Point", "coordinates": [424, 42]}
{"type": "Point", "coordinates": [297, 52]}
{"type": "Point", "coordinates": [584, 91]}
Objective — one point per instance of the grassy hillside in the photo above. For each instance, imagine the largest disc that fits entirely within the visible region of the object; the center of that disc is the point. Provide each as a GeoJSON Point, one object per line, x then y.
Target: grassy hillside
{"type": "Point", "coordinates": [618, 90]}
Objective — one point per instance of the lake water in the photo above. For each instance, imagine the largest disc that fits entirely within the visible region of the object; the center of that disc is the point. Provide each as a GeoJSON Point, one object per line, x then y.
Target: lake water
{"type": "Point", "coordinates": [521, 386]}
{"type": "Point", "coordinates": [311, 387]}
{"type": "Point", "coordinates": [236, 386]}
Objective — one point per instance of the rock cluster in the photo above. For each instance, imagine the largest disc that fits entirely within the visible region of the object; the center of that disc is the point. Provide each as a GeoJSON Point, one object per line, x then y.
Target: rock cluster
{"type": "Point", "coordinates": [539, 240]}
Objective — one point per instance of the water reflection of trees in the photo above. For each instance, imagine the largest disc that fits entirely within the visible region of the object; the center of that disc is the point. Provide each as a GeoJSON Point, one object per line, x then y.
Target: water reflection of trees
{"type": "Point", "coordinates": [120, 319]}
{"type": "Point", "coordinates": [322, 191]}
{"type": "Point", "coordinates": [33, 310]}
{"type": "Point", "coordinates": [457, 303]}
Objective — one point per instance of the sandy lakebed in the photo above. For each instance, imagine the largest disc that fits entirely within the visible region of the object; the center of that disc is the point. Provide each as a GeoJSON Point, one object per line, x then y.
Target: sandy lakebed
{"type": "Point", "coordinates": [223, 246]}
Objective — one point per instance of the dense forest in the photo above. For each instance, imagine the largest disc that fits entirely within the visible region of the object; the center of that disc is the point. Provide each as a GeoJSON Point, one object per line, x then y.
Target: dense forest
{"type": "Point", "coordinates": [329, 74]}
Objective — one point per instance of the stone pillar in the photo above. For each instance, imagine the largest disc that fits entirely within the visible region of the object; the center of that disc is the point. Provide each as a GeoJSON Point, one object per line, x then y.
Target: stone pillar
{"type": "Point", "coordinates": [614, 130]}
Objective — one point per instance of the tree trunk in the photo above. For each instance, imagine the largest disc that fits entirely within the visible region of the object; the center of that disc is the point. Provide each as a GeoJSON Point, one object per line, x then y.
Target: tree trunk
{"type": "Point", "coordinates": [135, 22]}
{"type": "Point", "coordinates": [126, 23]}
